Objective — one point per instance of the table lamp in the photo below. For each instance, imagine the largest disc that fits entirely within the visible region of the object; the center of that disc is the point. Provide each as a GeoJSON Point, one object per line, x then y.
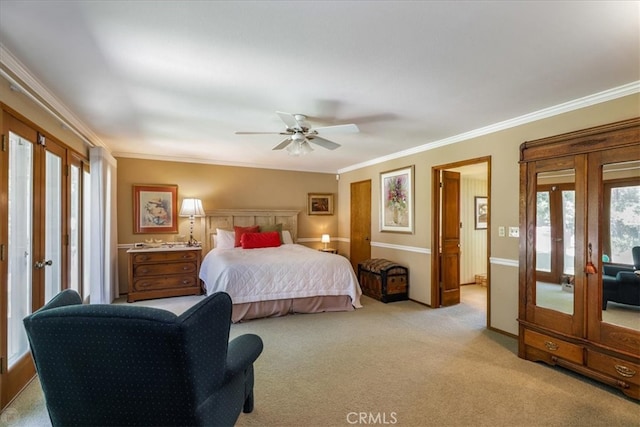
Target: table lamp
{"type": "Point", "coordinates": [325, 239]}
{"type": "Point", "coordinates": [191, 208]}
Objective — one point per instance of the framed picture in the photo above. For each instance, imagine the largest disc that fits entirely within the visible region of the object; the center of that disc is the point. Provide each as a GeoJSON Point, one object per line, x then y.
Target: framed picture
{"type": "Point", "coordinates": [481, 212]}
{"type": "Point", "coordinates": [155, 209]}
{"type": "Point", "coordinates": [396, 200]}
{"type": "Point", "coordinates": [320, 204]}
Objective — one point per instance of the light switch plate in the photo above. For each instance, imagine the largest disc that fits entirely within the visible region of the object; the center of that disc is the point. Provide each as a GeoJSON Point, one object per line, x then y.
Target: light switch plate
{"type": "Point", "coordinates": [514, 232]}
{"type": "Point", "coordinates": [501, 231]}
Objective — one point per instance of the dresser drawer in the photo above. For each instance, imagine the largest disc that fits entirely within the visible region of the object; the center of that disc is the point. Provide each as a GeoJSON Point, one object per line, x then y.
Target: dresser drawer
{"type": "Point", "coordinates": [163, 272]}
{"type": "Point", "coordinates": [165, 256]}
{"type": "Point", "coordinates": [164, 269]}
{"type": "Point", "coordinates": [565, 350]}
{"type": "Point", "coordinates": [614, 367]}
{"type": "Point", "coordinates": [156, 283]}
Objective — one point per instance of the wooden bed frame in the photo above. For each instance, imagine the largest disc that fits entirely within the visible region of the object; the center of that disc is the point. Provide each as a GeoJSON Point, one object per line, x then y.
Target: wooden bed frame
{"type": "Point", "coordinates": [226, 219]}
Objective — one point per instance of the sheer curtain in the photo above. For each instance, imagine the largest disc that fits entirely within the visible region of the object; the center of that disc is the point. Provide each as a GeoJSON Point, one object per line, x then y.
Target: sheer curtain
{"type": "Point", "coordinates": [104, 228]}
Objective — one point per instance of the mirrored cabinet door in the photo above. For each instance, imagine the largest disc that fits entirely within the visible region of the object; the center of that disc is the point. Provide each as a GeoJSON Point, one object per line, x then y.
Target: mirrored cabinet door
{"type": "Point", "coordinates": [615, 175]}
{"type": "Point", "coordinates": [555, 300]}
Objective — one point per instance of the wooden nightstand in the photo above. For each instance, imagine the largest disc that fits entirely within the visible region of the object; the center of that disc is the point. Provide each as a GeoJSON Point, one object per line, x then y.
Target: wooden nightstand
{"type": "Point", "coordinates": [330, 250]}
{"type": "Point", "coordinates": [163, 272]}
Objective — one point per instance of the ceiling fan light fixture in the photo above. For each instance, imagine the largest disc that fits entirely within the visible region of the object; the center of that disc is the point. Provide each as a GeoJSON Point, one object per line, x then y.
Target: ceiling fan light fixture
{"type": "Point", "coordinates": [305, 147]}
{"type": "Point", "coordinates": [294, 149]}
{"type": "Point", "coordinates": [299, 148]}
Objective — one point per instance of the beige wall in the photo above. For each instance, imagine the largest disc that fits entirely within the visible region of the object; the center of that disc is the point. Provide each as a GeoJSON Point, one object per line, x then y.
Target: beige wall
{"type": "Point", "coordinates": [222, 187]}
{"type": "Point", "coordinates": [503, 148]}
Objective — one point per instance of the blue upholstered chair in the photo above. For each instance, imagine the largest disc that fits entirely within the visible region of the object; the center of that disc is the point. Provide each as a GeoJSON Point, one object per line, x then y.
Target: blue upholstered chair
{"type": "Point", "coordinates": [620, 284]}
{"type": "Point", "coordinates": [123, 365]}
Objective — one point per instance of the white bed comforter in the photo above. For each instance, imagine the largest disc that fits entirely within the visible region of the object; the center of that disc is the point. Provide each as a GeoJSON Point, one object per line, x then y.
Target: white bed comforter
{"type": "Point", "coordinates": [288, 271]}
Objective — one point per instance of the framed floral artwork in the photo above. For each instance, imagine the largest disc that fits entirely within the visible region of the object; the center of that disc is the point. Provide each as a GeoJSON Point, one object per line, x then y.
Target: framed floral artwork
{"type": "Point", "coordinates": [481, 212]}
{"type": "Point", "coordinates": [396, 200]}
{"type": "Point", "coordinates": [320, 204]}
{"type": "Point", "coordinates": [155, 209]}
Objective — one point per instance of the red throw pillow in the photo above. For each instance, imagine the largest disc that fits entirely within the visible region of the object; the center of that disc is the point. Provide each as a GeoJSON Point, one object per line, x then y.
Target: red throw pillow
{"type": "Point", "coordinates": [270, 239]}
{"type": "Point", "coordinates": [241, 230]}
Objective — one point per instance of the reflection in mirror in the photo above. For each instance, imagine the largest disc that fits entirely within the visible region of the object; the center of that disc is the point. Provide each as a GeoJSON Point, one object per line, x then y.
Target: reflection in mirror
{"type": "Point", "coordinates": [620, 233]}
{"type": "Point", "coordinates": [555, 240]}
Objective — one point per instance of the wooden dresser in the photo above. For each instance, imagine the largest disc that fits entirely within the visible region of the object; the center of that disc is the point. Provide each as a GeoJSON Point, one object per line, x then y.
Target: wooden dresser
{"type": "Point", "coordinates": [163, 272]}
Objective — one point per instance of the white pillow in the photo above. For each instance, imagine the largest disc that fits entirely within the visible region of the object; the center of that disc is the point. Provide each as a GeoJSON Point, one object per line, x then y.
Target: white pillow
{"type": "Point", "coordinates": [286, 237]}
{"type": "Point", "coordinates": [225, 239]}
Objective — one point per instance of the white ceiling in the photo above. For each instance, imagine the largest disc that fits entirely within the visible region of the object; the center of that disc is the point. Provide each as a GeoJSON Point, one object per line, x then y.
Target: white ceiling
{"type": "Point", "coordinates": [175, 80]}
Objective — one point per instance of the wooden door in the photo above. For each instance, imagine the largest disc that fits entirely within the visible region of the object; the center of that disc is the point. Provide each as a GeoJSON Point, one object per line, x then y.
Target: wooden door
{"type": "Point", "coordinates": [450, 258]}
{"type": "Point", "coordinates": [360, 248]}
{"type": "Point", "coordinates": [32, 235]}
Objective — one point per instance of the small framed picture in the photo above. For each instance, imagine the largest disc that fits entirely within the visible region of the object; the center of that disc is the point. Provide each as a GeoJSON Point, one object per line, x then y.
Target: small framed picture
{"type": "Point", "coordinates": [155, 209]}
{"type": "Point", "coordinates": [320, 204]}
{"type": "Point", "coordinates": [481, 212]}
{"type": "Point", "coordinates": [396, 200]}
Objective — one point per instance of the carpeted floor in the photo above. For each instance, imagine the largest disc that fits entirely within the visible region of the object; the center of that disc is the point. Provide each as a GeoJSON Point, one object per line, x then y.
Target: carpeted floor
{"type": "Point", "coordinates": [400, 364]}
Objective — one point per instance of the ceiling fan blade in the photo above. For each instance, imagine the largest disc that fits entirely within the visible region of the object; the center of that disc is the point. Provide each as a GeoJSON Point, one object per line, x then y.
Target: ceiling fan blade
{"type": "Point", "coordinates": [263, 133]}
{"type": "Point", "coordinates": [283, 144]}
{"type": "Point", "coordinates": [288, 120]}
{"type": "Point", "coordinates": [350, 128]}
{"type": "Point", "coordinates": [329, 145]}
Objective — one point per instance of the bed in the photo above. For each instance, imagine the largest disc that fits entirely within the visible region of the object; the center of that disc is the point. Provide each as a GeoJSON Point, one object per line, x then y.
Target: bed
{"type": "Point", "coordinates": [274, 281]}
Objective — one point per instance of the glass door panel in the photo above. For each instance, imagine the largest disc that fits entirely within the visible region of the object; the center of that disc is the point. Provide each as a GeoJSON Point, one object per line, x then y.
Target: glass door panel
{"type": "Point", "coordinates": [53, 226]}
{"type": "Point", "coordinates": [20, 240]}
{"type": "Point", "coordinates": [569, 232]}
{"type": "Point", "coordinates": [74, 229]}
{"type": "Point", "coordinates": [86, 235]}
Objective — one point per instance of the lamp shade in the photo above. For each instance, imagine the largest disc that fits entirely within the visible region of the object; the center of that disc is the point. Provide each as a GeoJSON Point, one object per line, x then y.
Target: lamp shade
{"type": "Point", "coordinates": [325, 238]}
{"type": "Point", "coordinates": [191, 207]}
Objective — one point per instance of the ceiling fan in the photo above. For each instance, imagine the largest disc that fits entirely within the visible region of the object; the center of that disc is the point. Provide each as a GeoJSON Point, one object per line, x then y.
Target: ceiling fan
{"type": "Point", "coordinates": [299, 134]}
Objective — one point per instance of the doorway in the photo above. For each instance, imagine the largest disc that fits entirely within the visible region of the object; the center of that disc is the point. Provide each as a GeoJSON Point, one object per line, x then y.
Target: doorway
{"type": "Point", "coordinates": [360, 235]}
{"type": "Point", "coordinates": [461, 246]}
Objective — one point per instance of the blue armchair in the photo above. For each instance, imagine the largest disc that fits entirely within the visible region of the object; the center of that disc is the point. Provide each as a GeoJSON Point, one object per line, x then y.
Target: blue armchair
{"type": "Point", "coordinates": [620, 284]}
{"type": "Point", "coordinates": [129, 365]}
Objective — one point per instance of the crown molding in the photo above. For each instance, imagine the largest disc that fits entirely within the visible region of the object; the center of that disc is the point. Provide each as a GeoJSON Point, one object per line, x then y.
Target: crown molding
{"type": "Point", "coordinates": [21, 78]}
{"type": "Point", "coordinates": [597, 98]}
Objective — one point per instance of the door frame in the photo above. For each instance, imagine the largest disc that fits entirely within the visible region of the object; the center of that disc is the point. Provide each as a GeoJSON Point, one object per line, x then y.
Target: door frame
{"type": "Point", "coordinates": [436, 216]}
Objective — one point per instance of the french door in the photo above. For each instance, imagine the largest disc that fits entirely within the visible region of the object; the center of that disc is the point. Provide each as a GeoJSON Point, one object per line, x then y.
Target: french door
{"type": "Point", "coordinates": [34, 238]}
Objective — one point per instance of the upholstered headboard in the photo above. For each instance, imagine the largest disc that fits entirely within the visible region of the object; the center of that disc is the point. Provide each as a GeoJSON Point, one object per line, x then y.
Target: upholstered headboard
{"type": "Point", "coordinates": [228, 218]}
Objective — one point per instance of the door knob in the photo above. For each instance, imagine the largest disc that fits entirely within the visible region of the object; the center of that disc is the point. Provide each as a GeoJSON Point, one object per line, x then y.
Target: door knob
{"type": "Point", "coordinates": [42, 264]}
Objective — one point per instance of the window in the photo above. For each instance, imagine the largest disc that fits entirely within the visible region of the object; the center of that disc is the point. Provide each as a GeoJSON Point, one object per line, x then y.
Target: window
{"type": "Point", "coordinates": [622, 220]}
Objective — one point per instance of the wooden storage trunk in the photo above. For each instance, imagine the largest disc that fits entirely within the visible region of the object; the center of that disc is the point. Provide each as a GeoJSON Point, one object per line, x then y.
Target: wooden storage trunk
{"type": "Point", "coordinates": [383, 280]}
{"type": "Point", "coordinates": [481, 279]}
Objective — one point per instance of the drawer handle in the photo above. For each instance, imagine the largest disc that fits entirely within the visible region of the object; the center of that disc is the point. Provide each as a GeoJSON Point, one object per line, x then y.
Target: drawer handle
{"type": "Point", "coordinates": [186, 282]}
{"type": "Point", "coordinates": [551, 345]}
{"type": "Point", "coordinates": [624, 371]}
{"type": "Point", "coordinates": [186, 268]}
{"type": "Point", "coordinates": [144, 284]}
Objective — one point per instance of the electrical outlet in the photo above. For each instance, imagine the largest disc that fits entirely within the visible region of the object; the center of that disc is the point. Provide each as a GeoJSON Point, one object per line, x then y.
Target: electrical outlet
{"type": "Point", "coordinates": [514, 232]}
{"type": "Point", "coordinates": [501, 231]}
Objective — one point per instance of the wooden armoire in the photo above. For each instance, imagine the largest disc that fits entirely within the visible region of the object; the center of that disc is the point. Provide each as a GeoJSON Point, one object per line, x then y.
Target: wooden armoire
{"type": "Point", "coordinates": [576, 192]}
